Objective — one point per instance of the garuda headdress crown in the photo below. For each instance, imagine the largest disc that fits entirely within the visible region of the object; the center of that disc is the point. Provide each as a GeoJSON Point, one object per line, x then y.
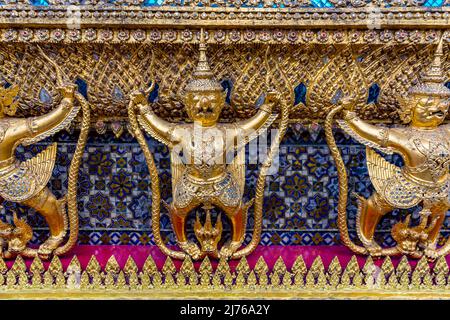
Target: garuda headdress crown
{"type": "Point", "coordinates": [203, 76]}
{"type": "Point", "coordinates": [432, 81]}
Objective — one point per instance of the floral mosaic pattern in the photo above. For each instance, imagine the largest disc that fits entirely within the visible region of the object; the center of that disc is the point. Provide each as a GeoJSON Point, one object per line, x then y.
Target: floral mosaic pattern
{"type": "Point", "coordinates": [114, 195]}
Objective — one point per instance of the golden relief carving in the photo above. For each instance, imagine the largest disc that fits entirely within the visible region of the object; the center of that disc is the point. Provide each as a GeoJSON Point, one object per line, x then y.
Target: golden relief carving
{"type": "Point", "coordinates": [423, 180]}
{"type": "Point", "coordinates": [203, 173]}
{"type": "Point", "coordinates": [328, 71]}
{"type": "Point", "coordinates": [25, 182]}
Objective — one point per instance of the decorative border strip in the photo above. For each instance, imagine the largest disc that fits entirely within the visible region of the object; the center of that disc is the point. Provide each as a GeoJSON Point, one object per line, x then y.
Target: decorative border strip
{"type": "Point", "coordinates": [232, 3]}
{"type": "Point", "coordinates": [218, 17]}
{"type": "Point", "coordinates": [224, 280]}
{"type": "Point", "coordinates": [226, 36]}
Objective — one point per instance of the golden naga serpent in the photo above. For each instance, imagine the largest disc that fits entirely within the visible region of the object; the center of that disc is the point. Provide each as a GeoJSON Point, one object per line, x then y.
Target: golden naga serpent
{"type": "Point", "coordinates": [342, 181]}
{"type": "Point", "coordinates": [74, 169]}
{"type": "Point", "coordinates": [156, 194]}
{"type": "Point", "coordinates": [72, 207]}
{"type": "Point", "coordinates": [261, 182]}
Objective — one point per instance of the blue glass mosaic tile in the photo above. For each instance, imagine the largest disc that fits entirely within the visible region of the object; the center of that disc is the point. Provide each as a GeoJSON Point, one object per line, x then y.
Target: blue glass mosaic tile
{"type": "Point", "coordinates": [114, 192]}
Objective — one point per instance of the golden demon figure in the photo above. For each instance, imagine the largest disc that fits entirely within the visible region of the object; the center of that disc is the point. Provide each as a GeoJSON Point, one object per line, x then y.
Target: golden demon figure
{"type": "Point", "coordinates": [424, 146]}
{"type": "Point", "coordinates": [25, 182]}
{"type": "Point", "coordinates": [202, 173]}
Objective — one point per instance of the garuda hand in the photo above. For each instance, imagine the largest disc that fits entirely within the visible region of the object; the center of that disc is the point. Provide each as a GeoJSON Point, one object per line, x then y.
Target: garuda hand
{"type": "Point", "coordinates": [272, 97]}
{"type": "Point", "coordinates": [348, 103]}
{"type": "Point", "coordinates": [67, 90]}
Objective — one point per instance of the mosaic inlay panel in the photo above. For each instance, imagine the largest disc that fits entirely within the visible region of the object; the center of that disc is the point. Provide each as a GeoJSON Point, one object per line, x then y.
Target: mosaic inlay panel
{"type": "Point", "coordinates": [114, 195]}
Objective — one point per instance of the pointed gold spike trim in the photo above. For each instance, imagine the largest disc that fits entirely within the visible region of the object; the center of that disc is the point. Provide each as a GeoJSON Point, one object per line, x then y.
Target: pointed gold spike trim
{"type": "Point", "coordinates": [48, 279]}
{"type": "Point", "coordinates": [19, 265]}
{"type": "Point", "coordinates": [169, 267]}
{"type": "Point", "coordinates": [422, 266]}
{"type": "Point", "coordinates": [84, 281]}
{"type": "Point", "coordinates": [317, 267]}
{"type": "Point", "coordinates": [187, 267]}
{"type": "Point", "coordinates": [133, 281]}
{"type": "Point", "coordinates": [287, 280]}
{"type": "Point", "coordinates": [240, 280]}
{"type": "Point", "coordinates": [37, 267]}
{"type": "Point", "coordinates": [3, 267]}
{"type": "Point", "coordinates": [112, 266]}
{"type": "Point", "coordinates": [299, 266]}
{"type": "Point", "coordinates": [93, 266]}
{"type": "Point", "coordinates": [441, 266]}
{"type": "Point", "coordinates": [121, 282]}
{"type": "Point", "coordinates": [369, 266]}
{"type": "Point", "coordinates": [243, 266]}
{"type": "Point", "coordinates": [228, 280]}
{"type": "Point", "coordinates": [169, 281]}
{"type": "Point", "coordinates": [205, 266]}
{"type": "Point", "coordinates": [74, 265]}
{"type": "Point", "coordinates": [403, 266]}
{"type": "Point", "coordinates": [55, 266]}
{"type": "Point", "coordinates": [352, 267]}
{"type": "Point", "coordinates": [387, 266]}
{"type": "Point", "coordinates": [261, 266]}
{"type": "Point", "coordinates": [280, 266]}
{"type": "Point", "coordinates": [318, 279]}
{"type": "Point", "coordinates": [130, 266]}
{"type": "Point", "coordinates": [60, 281]}
{"type": "Point", "coordinates": [334, 272]}
{"type": "Point", "coordinates": [157, 280]}
{"type": "Point", "coordinates": [150, 267]}
{"type": "Point", "coordinates": [251, 279]}
{"type": "Point", "coordinates": [223, 267]}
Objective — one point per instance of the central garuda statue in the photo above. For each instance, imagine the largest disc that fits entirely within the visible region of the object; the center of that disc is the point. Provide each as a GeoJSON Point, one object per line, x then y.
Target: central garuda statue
{"type": "Point", "coordinates": [424, 146]}
{"type": "Point", "coordinates": [208, 165]}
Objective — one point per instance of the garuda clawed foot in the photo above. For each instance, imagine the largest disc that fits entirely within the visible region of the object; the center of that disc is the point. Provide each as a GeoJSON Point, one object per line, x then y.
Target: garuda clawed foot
{"type": "Point", "coordinates": [50, 245]}
{"type": "Point", "coordinates": [191, 249]}
{"type": "Point", "coordinates": [229, 249]}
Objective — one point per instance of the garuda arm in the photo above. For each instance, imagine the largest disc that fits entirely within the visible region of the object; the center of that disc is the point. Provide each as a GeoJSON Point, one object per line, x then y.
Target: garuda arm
{"type": "Point", "coordinates": [158, 128]}
{"type": "Point", "coordinates": [39, 128]}
{"type": "Point", "coordinates": [384, 139]}
{"type": "Point", "coordinates": [249, 129]}
{"type": "Point", "coordinates": [381, 138]}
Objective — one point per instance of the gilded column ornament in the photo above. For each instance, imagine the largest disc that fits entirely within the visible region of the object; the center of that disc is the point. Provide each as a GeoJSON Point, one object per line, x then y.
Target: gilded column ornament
{"type": "Point", "coordinates": [422, 181]}
{"type": "Point", "coordinates": [25, 182]}
{"type": "Point", "coordinates": [208, 164]}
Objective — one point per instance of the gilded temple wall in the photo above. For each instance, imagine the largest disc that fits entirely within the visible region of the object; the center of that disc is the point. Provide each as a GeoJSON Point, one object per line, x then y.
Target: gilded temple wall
{"type": "Point", "coordinates": [300, 201]}
{"type": "Point", "coordinates": [318, 55]}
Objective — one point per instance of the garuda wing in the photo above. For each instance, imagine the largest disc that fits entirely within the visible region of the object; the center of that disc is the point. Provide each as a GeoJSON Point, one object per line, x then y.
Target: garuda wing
{"type": "Point", "coordinates": [177, 166]}
{"type": "Point", "coordinates": [237, 169]}
{"type": "Point", "coordinates": [381, 171]}
{"type": "Point", "coordinates": [176, 163]}
{"type": "Point", "coordinates": [26, 179]}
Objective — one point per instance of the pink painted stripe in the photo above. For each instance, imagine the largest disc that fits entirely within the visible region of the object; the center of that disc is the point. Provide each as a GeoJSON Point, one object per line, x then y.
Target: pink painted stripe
{"type": "Point", "coordinates": [269, 253]}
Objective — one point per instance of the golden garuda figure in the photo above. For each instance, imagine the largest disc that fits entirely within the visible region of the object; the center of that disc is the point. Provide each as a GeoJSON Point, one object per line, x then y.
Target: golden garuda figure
{"type": "Point", "coordinates": [25, 182]}
{"type": "Point", "coordinates": [208, 165]}
{"type": "Point", "coordinates": [424, 146]}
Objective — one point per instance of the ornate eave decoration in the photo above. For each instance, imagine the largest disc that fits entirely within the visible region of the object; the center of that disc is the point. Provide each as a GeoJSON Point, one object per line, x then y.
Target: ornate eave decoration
{"type": "Point", "coordinates": [298, 23]}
